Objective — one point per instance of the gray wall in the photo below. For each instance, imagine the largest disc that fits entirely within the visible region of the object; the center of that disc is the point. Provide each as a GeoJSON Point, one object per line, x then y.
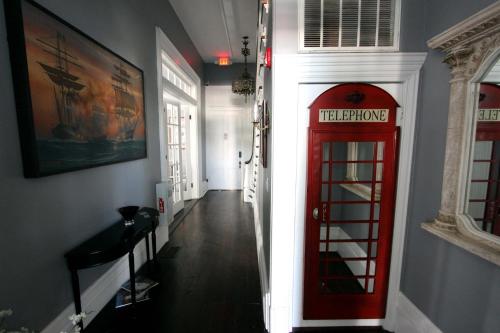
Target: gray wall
{"type": "Point", "coordinates": [458, 291]}
{"type": "Point", "coordinates": [43, 218]}
{"type": "Point", "coordinates": [216, 75]}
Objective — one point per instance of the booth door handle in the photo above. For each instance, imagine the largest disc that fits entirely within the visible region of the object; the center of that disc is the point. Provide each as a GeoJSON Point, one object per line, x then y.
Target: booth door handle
{"type": "Point", "coordinates": [315, 213]}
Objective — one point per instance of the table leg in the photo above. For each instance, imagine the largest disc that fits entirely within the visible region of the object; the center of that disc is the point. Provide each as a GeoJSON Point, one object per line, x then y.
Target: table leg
{"type": "Point", "coordinates": [132, 274]}
{"type": "Point", "coordinates": [148, 257]}
{"type": "Point", "coordinates": [153, 241]}
{"type": "Point", "coordinates": [75, 284]}
{"type": "Point", "coordinates": [147, 248]}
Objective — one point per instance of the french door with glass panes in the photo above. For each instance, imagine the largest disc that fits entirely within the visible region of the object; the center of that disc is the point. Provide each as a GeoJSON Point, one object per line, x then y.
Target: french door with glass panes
{"type": "Point", "coordinates": [174, 154]}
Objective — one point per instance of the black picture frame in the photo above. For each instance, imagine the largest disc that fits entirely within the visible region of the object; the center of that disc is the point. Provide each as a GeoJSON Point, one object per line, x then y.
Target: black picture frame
{"type": "Point", "coordinates": [79, 105]}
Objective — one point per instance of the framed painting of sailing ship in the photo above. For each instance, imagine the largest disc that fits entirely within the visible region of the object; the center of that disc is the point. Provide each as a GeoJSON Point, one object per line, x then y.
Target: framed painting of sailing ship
{"type": "Point", "coordinates": [79, 105]}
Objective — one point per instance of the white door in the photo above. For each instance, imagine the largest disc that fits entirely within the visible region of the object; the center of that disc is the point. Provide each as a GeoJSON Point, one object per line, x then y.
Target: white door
{"type": "Point", "coordinates": [228, 137]}
{"type": "Point", "coordinates": [186, 171]}
{"type": "Point", "coordinates": [174, 157]}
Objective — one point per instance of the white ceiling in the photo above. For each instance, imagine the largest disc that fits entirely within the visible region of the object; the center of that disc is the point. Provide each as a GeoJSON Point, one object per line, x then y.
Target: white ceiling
{"type": "Point", "coordinates": [216, 26]}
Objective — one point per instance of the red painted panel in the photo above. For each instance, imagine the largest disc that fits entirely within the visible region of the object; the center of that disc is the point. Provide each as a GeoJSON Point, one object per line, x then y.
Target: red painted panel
{"type": "Point", "coordinates": [320, 302]}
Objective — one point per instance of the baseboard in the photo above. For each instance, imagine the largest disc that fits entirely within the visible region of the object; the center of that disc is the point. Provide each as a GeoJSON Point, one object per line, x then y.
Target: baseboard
{"type": "Point", "coordinates": [203, 189]}
{"type": "Point", "coordinates": [103, 289]}
{"type": "Point", "coordinates": [264, 284]}
{"type": "Point", "coordinates": [411, 320]}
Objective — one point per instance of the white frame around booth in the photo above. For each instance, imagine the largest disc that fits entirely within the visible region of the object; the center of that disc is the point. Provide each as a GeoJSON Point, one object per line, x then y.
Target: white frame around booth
{"type": "Point", "coordinates": [165, 45]}
{"type": "Point", "coordinates": [289, 171]}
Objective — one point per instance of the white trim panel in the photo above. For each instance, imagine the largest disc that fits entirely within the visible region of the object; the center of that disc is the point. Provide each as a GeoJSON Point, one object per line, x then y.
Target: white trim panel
{"type": "Point", "coordinates": [289, 168]}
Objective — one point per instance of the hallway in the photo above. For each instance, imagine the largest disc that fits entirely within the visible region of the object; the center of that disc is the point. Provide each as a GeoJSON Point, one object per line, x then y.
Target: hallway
{"type": "Point", "coordinates": [208, 274]}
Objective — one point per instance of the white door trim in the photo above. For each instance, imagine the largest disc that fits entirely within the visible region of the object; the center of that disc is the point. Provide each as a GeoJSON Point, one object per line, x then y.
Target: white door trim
{"type": "Point", "coordinates": [164, 44]}
{"type": "Point", "coordinates": [289, 169]}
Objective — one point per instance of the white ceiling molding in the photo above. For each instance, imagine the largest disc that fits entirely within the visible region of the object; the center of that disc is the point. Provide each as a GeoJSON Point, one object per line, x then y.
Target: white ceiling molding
{"type": "Point", "coordinates": [229, 24]}
{"type": "Point", "coordinates": [216, 26]}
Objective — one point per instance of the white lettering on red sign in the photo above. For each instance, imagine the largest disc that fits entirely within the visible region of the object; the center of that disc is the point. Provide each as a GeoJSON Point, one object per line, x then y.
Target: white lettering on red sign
{"type": "Point", "coordinates": [353, 115]}
{"type": "Point", "coordinates": [488, 115]}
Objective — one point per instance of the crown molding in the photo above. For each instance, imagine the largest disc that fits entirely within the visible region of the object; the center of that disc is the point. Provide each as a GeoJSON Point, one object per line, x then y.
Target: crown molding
{"type": "Point", "coordinates": [479, 25]}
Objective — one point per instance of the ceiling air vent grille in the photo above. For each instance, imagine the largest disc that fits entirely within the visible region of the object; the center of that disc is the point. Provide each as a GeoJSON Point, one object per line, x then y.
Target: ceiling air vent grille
{"type": "Point", "coordinates": [349, 24]}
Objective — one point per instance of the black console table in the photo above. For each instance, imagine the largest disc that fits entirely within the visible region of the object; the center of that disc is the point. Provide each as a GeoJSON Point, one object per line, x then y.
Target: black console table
{"type": "Point", "coordinates": [111, 244]}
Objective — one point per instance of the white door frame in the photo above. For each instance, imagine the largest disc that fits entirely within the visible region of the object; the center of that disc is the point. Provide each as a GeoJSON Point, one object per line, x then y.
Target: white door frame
{"type": "Point", "coordinates": [165, 45]}
{"type": "Point", "coordinates": [289, 170]}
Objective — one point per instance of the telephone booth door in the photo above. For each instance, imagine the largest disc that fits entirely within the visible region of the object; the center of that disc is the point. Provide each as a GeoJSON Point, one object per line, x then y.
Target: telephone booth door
{"type": "Point", "coordinates": [352, 157]}
{"type": "Point", "coordinates": [484, 201]}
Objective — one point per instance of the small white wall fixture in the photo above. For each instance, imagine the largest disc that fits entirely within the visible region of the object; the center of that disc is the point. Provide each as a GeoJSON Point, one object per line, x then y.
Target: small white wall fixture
{"type": "Point", "coordinates": [289, 149]}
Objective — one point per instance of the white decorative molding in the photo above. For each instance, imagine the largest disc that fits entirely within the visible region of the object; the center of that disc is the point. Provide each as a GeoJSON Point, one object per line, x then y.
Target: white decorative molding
{"type": "Point", "coordinates": [477, 247]}
{"type": "Point", "coordinates": [204, 188]}
{"type": "Point", "coordinates": [471, 47]}
{"type": "Point", "coordinates": [264, 285]}
{"type": "Point", "coordinates": [393, 48]}
{"type": "Point", "coordinates": [95, 297]}
{"type": "Point", "coordinates": [477, 26]}
{"type": "Point", "coordinates": [411, 320]}
{"type": "Point", "coordinates": [289, 149]}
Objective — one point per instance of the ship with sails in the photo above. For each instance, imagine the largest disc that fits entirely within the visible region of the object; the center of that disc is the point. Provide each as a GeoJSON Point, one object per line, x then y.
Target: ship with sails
{"type": "Point", "coordinates": [65, 86]}
{"type": "Point", "coordinates": [125, 109]}
{"type": "Point", "coordinates": [98, 124]}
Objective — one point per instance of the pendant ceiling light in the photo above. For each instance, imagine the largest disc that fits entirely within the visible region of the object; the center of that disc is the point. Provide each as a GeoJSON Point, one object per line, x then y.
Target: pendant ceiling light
{"type": "Point", "coordinates": [245, 84]}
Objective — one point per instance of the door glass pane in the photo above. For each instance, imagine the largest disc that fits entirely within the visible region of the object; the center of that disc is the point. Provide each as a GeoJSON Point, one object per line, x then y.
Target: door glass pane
{"type": "Point", "coordinates": [482, 150]}
{"type": "Point", "coordinates": [480, 170]}
{"type": "Point", "coordinates": [349, 212]}
{"type": "Point", "coordinates": [371, 286]}
{"type": "Point", "coordinates": [343, 286]}
{"type": "Point", "coordinates": [373, 250]}
{"type": "Point", "coordinates": [339, 151]}
{"type": "Point", "coordinates": [326, 151]}
{"type": "Point", "coordinates": [351, 231]}
{"type": "Point", "coordinates": [478, 190]}
{"type": "Point", "coordinates": [174, 150]}
{"type": "Point", "coordinates": [348, 239]}
{"type": "Point", "coordinates": [348, 192]}
{"type": "Point", "coordinates": [325, 176]}
{"type": "Point", "coordinates": [324, 192]}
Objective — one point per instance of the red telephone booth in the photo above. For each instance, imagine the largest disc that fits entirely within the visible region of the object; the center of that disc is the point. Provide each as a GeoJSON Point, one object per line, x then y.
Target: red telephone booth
{"type": "Point", "coordinates": [352, 158]}
{"type": "Point", "coordinates": [484, 201]}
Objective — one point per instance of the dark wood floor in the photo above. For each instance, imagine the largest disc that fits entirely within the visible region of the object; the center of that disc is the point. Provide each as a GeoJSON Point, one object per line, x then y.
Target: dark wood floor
{"type": "Point", "coordinates": [208, 274]}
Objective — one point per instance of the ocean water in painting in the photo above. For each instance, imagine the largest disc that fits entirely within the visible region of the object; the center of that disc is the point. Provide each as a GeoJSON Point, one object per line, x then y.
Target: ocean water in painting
{"type": "Point", "coordinates": [58, 155]}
